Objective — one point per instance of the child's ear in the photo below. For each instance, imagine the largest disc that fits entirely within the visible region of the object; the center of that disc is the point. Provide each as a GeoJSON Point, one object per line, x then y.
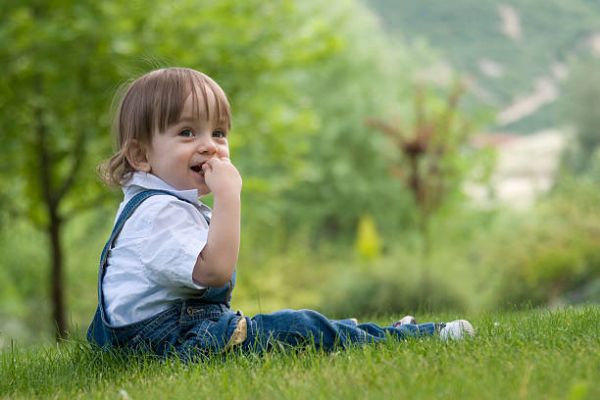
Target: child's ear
{"type": "Point", "coordinates": [137, 156]}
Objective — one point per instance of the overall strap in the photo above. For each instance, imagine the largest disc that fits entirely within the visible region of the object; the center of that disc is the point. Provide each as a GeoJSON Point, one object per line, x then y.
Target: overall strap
{"type": "Point", "coordinates": [128, 210]}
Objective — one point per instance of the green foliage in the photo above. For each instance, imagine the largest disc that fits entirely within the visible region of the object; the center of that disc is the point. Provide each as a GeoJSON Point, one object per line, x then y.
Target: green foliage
{"type": "Point", "coordinates": [546, 255]}
{"type": "Point", "coordinates": [350, 165]}
{"type": "Point", "coordinates": [344, 175]}
{"type": "Point", "coordinates": [23, 289]}
{"type": "Point", "coordinates": [59, 100]}
{"type": "Point", "coordinates": [255, 50]}
{"type": "Point", "coordinates": [553, 254]}
{"type": "Point", "coordinates": [391, 286]}
{"type": "Point", "coordinates": [24, 307]}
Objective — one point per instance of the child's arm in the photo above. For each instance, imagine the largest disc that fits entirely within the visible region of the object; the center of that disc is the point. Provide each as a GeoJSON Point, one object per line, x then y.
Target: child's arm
{"type": "Point", "coordinates": [216, 262]}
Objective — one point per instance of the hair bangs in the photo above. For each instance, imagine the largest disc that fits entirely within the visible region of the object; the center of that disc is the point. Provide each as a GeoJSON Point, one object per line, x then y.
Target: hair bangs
{"type": "Point", "coordinates": [169, 98]}
{"type": "Point", "coordinates": [175, 85]}
{"type": "Point", "coordinates": [208, 100]}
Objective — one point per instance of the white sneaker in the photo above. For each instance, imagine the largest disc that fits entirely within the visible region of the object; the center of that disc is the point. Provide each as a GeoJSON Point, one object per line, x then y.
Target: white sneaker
{"type": "Point", "coordinates": [456, 330]}
{"type": "Point", "coordinates": [406, 320]}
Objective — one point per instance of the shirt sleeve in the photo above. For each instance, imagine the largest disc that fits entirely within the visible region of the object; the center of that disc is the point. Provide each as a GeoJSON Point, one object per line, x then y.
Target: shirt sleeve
{"type": "Point", "coordinates": [178, 233]}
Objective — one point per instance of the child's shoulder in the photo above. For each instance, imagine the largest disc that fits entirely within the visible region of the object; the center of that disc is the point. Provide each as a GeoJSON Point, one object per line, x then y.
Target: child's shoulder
{"type": "Point", "coordinates": [164, 202]}
{"type": "Point", "coordinates": [162, 211]}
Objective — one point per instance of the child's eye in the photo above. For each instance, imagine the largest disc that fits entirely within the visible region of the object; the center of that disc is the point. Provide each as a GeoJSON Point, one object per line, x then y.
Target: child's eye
{"type": "Point", "coordinates": [219, 134]}
{"type": "Point", "coordinates": [186, 133]}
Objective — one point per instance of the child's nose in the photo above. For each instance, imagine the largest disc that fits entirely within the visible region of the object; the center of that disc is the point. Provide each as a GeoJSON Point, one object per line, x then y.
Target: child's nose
{"type": "Point", "coordinates": [207, 146]}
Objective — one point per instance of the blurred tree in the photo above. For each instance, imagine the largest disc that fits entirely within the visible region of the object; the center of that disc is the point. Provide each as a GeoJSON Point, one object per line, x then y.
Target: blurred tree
{"type": "Point", "coordinates": [63, 60]}
{"type": "Point", "coordinates": [58, 72]}
{"type": "Point", "coordinates": [345, 176]}
{"type": "Point", "coordinates": [432, 162]}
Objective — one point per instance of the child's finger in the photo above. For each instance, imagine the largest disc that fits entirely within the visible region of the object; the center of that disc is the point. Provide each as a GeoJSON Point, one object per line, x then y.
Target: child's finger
{"type": "Point", "coordinates": [218, 160]}
{"type": "Point", "coordinates": [212, 161]}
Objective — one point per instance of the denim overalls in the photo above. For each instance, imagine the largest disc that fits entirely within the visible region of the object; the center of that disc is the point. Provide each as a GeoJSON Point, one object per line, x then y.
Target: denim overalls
{"type": "Point", "coordinates": [205, 324]}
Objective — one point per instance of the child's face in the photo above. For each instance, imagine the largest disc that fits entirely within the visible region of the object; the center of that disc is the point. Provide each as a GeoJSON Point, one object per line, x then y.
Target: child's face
{"type": "Point", "coordinates": [177, 154]}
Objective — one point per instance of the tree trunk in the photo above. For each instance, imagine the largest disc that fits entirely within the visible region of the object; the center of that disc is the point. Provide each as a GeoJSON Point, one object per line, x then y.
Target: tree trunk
{"type": "Point", "coordinates": [426, 246]}
{"type": "Point", "coordinates": [56, 275]}
{"type": "Point", "coordinates": [51, 198]}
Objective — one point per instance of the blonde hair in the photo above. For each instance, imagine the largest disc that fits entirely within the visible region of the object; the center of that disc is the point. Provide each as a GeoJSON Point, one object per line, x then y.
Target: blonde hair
{"type": "Point", "coordinates": [153, 102]}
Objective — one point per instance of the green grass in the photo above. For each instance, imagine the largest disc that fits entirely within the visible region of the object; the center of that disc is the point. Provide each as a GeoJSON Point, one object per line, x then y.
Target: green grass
{"type": "Point", "coordinates": [520, 355]}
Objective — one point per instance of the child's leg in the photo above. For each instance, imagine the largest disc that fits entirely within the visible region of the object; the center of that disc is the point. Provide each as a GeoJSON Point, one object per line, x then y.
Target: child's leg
{"type": "Point", "coordinates": [297, 328]}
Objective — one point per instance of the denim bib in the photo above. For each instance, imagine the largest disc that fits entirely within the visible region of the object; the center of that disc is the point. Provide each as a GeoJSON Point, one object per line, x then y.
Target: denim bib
{"type": "Point", "coordinates": [212, 300]}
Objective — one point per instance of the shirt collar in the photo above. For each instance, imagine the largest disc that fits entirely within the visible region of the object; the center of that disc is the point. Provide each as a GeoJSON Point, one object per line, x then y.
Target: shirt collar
{"type": "Point", "coordinates": [145, 180]}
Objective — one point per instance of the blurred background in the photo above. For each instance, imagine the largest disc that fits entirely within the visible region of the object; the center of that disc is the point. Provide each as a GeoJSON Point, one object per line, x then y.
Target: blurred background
{"type": "Point", "coordinates": [398, 156]}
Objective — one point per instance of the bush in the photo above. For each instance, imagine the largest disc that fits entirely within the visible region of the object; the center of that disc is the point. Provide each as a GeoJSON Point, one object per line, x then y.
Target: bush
{"type": "Point", "coordinates": [392, 286]}
{"type": "Point", "coordinates": [556, 252]}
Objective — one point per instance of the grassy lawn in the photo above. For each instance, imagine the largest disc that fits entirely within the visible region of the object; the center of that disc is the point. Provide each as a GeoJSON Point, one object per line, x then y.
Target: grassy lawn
{"type": "Point", "coordinates": [520, 355]}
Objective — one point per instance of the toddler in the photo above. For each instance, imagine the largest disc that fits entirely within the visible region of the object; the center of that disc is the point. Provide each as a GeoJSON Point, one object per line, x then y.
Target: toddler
{"type": "Point", "coordinates": [168, 269]}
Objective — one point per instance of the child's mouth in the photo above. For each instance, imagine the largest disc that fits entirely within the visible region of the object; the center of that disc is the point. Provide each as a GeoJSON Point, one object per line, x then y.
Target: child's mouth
{"type": "Point", "coordinates": [198, 169]}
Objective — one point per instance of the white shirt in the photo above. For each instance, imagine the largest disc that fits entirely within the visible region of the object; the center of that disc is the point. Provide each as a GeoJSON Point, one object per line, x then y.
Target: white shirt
{"type": "Point", "coordinates": [153, 257]}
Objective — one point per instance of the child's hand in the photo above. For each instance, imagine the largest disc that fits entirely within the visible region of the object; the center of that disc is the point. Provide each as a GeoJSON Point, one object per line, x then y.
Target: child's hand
{"type": "Point", "coordinates": [221, 177]}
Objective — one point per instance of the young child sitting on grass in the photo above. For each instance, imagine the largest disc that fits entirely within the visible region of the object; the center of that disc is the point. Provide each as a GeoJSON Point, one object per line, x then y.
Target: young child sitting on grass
{"type": "Point", "coordinates": [168, 269]}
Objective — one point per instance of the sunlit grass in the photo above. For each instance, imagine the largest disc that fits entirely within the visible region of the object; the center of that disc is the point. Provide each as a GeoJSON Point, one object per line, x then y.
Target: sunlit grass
{"type": "Point", "coordinates": [531, 354]}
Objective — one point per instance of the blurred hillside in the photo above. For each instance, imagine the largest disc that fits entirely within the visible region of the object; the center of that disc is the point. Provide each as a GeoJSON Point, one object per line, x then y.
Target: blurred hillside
{"type": "Point", "coordinates": [514, 52]}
